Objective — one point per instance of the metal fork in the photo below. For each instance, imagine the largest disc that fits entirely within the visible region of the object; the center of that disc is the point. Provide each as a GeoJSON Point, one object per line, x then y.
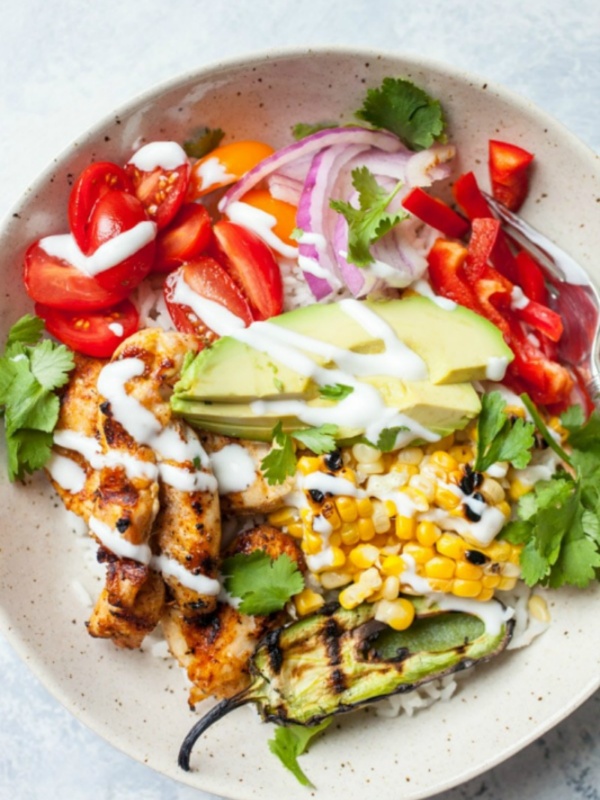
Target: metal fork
{"type": "Point", "coordinates": [574, 297]}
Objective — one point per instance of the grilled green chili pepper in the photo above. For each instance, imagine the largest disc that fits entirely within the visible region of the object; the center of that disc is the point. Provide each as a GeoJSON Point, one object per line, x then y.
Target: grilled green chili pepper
{"type": "Point", "coordinates": [339, 660]}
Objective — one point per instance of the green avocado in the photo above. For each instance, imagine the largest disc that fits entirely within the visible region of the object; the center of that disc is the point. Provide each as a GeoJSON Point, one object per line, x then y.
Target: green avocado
{"type": "Point", "coordinates": [457, 345]}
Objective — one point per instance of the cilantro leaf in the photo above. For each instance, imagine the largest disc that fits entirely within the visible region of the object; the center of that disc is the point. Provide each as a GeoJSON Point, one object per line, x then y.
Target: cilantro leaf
{"type": "Point", "coordinates": [264, 585]}
{"type": "Point", "coordinates": [335, 391]}
{"type": "Point", "coordinates": [303, 129]}
{"type": "Point", "coordinates": [320, 440]}
{"type": "Point", "coordinates": [370, 221]}
{"type": "Point", "coordinates": [387, 438]}
{"type": "Point", "coordinates": [30, 371]}
{"type": "Point", "coordinates": [280, 462]}
{"type": "Point", "coordinates": [291, 741]}
{"type": "Point", "coordinates": [500, 438]}
{"type": "Point", "coordinates": [402, 108]}
{"type": "Point", "coordinates": [205, 140]}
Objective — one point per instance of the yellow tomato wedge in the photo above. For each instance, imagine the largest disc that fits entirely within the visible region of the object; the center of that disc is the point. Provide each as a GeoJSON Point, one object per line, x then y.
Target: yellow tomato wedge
{"type": "Point", "coordinates": [225, 165]}
{"type": "Point", "coordinates": [284, 213]}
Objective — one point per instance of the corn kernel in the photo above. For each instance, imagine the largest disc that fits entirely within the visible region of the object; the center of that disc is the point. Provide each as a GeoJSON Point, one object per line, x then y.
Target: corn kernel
{"type": "Point", "coordinates": [419, 500]}
{"type": "Point", "coordinates": [506, 584]}
{"type": "Point", "coordinates": [455, 476]}
{"type": "Point", "coordinates": [538, 608]}
{"type": "Point", "coordinates": [425, 484]}
{"type": "Point", "coordinates": [390, 588]}
{"type": "Point", "coordinates": [350, 534]}
{"type": "Point", "coordinates": [492, 492]}
{"type": "Point", "coordinates": [420, 554]}
{"type": "Point", "coordinates": [517, 489]}
{"type": "Point", "coordinates": [443, 460]}
{"type": "Point", "coordinates": [433, 471]}
{"type": "Point", "coordinates": [329, 512]}
{"type": "Point", "coordinates": [504, 508]}
{"type": "Point", "coordinates": [365, 528]}
{"type": "Point", "coordinates": [364, 555]}
{"type": "Point", "coordinates": [514, 411]}
{"type": "Point", "coordinates": [381, 518]}
{"type": "Point", "coordinates": [440, 584]}
{"type": "Point", "coordinates": [335, 540]}
{"type": "Point", "coordinates": [468, 571]}
{"type": "Point", "coordinates": [498, 550]}
{"type": "Point", "coordinates": [515, 554]}
{"type": "Point", "coordinates": [410, 455]}
{"type": "Point", "coordinates": [406, 469]}
{"type": "Point", "coordinates": [283, 516]}
{"type": "Point", "coordinates": [510, 570]}
{"type": "Point", "coordinates": [427, 533]}
{"type": "Point", "coordinates": [364, 506]}
{"type": "Point", "coordinates": [335, 579]}
{"type": "Point", "coordinates": [406, 527]}
{"type": "Point", "coordinates": [490, 581]}
{"type": "Point", "coordinates": [445, 498]}
{"type": "Point", "coordinates": [308, 464]}
{"type": "Point", "coordinates": [450, 545]}
{"type": "Point", "coordinates": [393, 565]}
{"type": "Point", "coordinates": [296, 529]}
{"type": "Point", "coordinates": [346, 507]}
{"type": "Point", "coordinates": [311, 543]}
{"type": "Point", "coordinates": [485, 594]}
{"type": "Point", "coordinates": [365, 454]}
{"type": "Point", "coordinates": [308, 601]}
{"type": "Point", "coordinates": [398, 614]}
{"type": "Point", "coordinates": [440, 567]}
{"type": "Point", "coordinates": [463, 588]}
{"type": "Point", "coordinates": [462, 453]}
{"type": "Point", "coordinates": [351, 596]}
{"type": "Point", "coordinates": [375, 468]}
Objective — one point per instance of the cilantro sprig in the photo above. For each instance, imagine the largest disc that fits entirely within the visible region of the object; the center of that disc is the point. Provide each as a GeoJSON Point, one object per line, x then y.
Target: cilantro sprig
{"type": "Point", "coordinates": [406, 110]}
{"type": "Point", "coordinates": [303, 129]}
{"type": "Point", "coordinates": [205, 141]}
{"type": "Point", "coordinates": [335, 391]}
{"type": "Point", "coordinates": [280, 462]}
{"type": "Point", "coordinates": [30, 372]}
{"type": "Point", "coordinates": [291, 741]}
{"type": "Point", "coordinates": [263, 584]}
{"type": "Point", "coordinates": [370, 221]}
{"type": "Point", "coordinates": [501, 437]}
{"type": "Point", "coordinates": [558, 522]}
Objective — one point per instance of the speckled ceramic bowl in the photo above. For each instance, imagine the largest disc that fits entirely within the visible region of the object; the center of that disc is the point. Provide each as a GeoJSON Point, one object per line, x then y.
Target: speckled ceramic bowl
{"type": "Point", "coordinates": [138, 701]}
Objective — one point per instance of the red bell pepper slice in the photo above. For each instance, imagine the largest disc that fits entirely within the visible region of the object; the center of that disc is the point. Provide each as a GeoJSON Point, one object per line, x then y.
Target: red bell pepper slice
{"type": "Point", "coordinates": [531, 278]}
{"type": "Point", "coordinates": [509, 173]}
{"type": "Point", "coordinates": [470, 198]}
{"type": "Point", "coordinates": [436, 213]}
{"type": "Point", "coordinates": [445, 260]}
{"type": "Point", "coordinates": [484, 235]}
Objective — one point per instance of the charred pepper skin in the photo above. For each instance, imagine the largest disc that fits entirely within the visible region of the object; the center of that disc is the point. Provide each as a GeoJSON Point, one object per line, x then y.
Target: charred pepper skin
{"type": "Point", "coordinates": [339, 660]}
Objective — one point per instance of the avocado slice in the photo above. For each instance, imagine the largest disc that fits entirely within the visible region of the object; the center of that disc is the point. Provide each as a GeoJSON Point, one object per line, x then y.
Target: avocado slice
{"type": "Point", "coordinates": [441, 409]}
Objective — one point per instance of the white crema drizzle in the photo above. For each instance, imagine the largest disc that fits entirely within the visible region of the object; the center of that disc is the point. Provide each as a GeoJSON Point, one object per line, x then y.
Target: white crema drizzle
{"type": "Point", "coordinates": [214, 315]}
{"type": "Point", "coordinates": [262, 223]}
{"type": "Point", "coordinates": [155, 155]}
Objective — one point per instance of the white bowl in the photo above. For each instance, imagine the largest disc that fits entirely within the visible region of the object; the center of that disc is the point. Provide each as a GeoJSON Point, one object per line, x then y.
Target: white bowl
{"type": "Point", "coordinates": [138, 701]}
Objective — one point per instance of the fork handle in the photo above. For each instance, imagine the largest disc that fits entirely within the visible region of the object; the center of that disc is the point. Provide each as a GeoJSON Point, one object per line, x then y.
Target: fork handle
{"type": "Point", "coordinates": [593, 389]}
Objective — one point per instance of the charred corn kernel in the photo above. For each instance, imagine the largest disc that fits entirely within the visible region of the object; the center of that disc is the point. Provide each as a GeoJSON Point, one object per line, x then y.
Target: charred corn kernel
{"type": "Point", "coordinates": [461, 453]}
{"type": "Point", "coordinates": [420, 554]}
{"type": "Point", "coordinates": [365, 528]}
{"type": "Point", "coordinates": [443, 460]}
{"type": "Point", "coordinates": [365, 454]}
{"type": "Point", "coordinates": [406, 527]}
{"type": "Point", "coordinates": [390, 588]}
{"type": "Point", "coordinates": [364, 555]}
{"type": "Point", "coordinates": [440, 567]}
{"type": "Point", "coordinates": [381, 518]}
{"type": "Point", "coordinates": [410, 455]}
{"type": "Point", "coordinates": [517, 489]}
{"type": "Point", "coordinates": [445, 498]}
{"type": "Point", "coordinates": [334, 579]}
{"type": "Point", "coordinates": [329, 511]}
{"type": "Point", "coordinates": [484, 595]}
{"type": "Point", "coordinates": [420, 502]}
{"type": "Point", "coordinates": [425, 484]}
{"type": "Point", "coordinates": [463, 588]}
{"type": "Point", "coordinates": [311, 543]}
{"type": "Point", "coordinates": [492, 492]}
{"type": "Point", "coordinates": [338, 559]}
{"type": "Point", "coordinates": [393, 565]}
{"type": "Point", "coordinates": [350, 534]}
{"type": "Point", "coordinates": [398, 614]}
{"type": "Point", "coordinates": [538, 608]}
{"type": "Point", "coordinates": [440, 584]}
{"type": "Point", "coordinates": [490, 581]}
{"type": "Point", "coordinates": [450, 545]}
{"type": "Point", "coordinates": [308, 601]}
{"type": "Point", "coordinates": [406, 469]}
{"type": "Point", "coordinates": [346, 507]}
{"type": "Point", "coordinates": [308, 464]}
{"type": "Point", "coordinates": [427, 533]}
{"type": "Point", "coordinates": [283, 516]}
{"type": "Point", "coordinates": [506, 584]}
{"type": "Point", "coordinates": [467, 571]}
{"type": "Point", "coordinates": [296, 529]}
{"type": "Point", "coordinates": [498, 550]}
{"type": "Point", "coordinates": [364, 506]}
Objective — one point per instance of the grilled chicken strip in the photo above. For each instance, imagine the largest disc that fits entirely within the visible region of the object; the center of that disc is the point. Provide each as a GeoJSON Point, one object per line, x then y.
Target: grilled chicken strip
{"type": "Point", "coordinates": [215, 649]}
{"type": "Point", "coordinates": [259, 497]}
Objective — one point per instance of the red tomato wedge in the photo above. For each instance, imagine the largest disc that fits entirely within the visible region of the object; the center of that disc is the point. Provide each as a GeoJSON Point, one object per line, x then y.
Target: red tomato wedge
{"type": "Point", "coordinates": [93, 333]}
{"type": "Point", "coordinates": [252, 264]}
{"type": "Point", "coordinates": [161, 191]}
{"type": "Point", "coordinates": [186, 238]}
{"type": "Point", "coordinates": [114, 214]}
{"type": "Point", "coordinates": [204, 279]}
{"type": "Point", "coordinates": [509, 173]}
{"type": "Point", "coordinates": [58, 284]}
{"type": "Point", "coordinates": [90, 186]}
